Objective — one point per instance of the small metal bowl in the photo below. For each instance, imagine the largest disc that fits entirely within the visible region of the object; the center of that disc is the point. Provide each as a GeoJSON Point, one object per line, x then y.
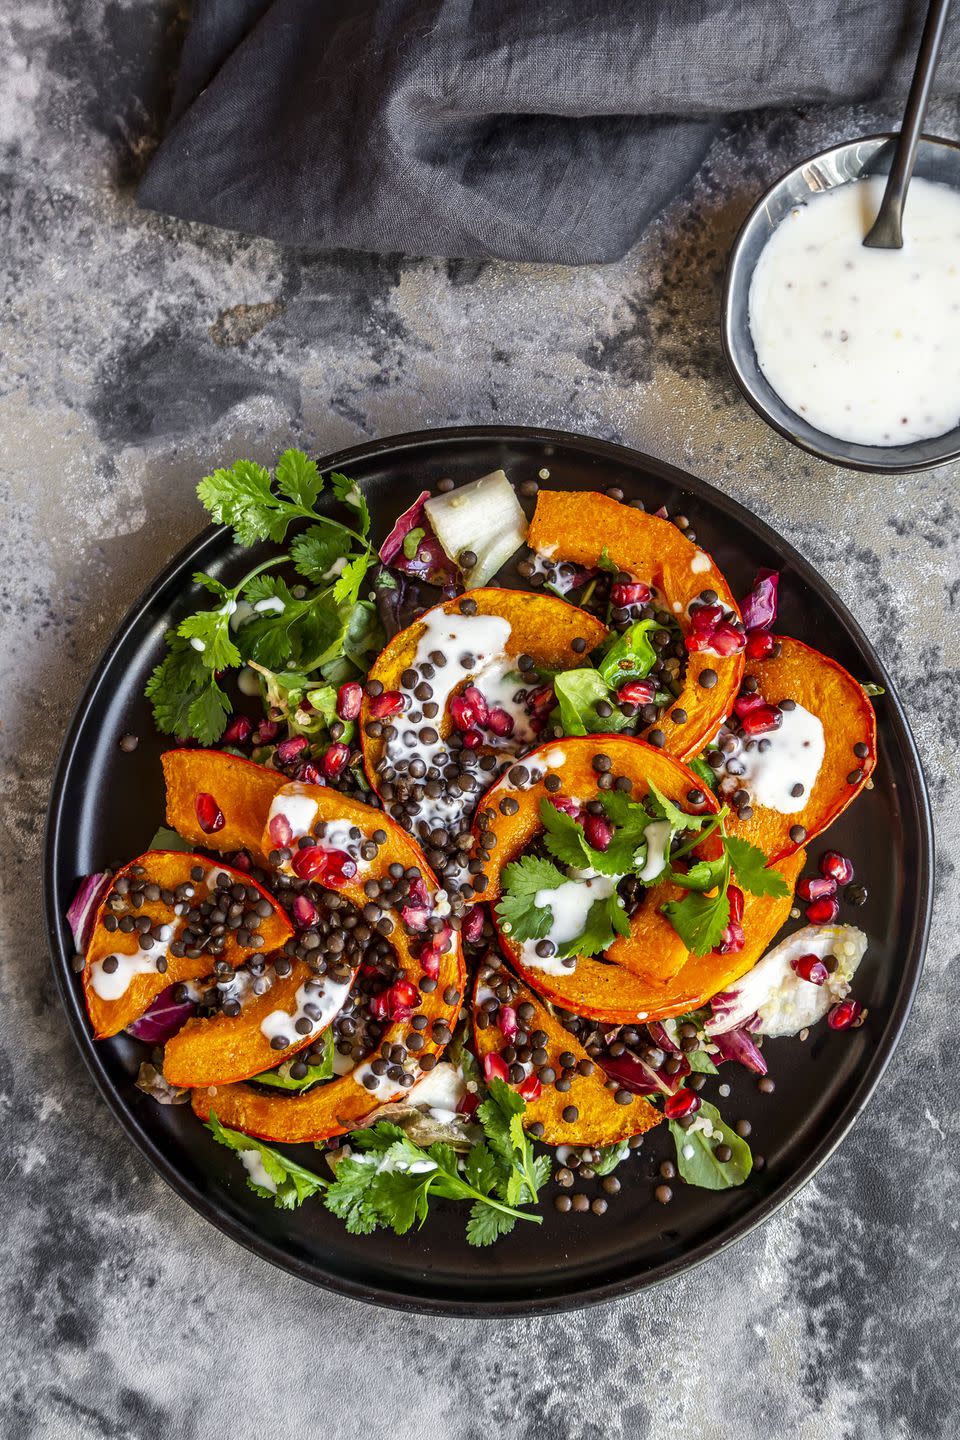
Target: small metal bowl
{"type": "Point", "coordinates": [936, 160]}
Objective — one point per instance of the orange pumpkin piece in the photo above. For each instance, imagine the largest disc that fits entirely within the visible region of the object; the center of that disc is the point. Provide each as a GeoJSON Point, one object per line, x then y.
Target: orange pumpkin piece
{"type": "Point", "coordinates": [542, 626]}
{"type": "Point", "coordinates": [582, 526]}
{"type": "Point", "coordinates": [830, 692]}
{"type": "Point", "coordinates": [600, 1120]}
{"type": "Point", "coordinates": [117, 993]}
{"type": "Point", "coordinates": [224, 1049]}
{"type": "Point", "coordinates": [240, 790]}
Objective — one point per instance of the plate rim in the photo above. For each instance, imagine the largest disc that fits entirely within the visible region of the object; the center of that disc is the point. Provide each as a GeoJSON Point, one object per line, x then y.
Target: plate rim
{"type": "Point", "coordinates": [582, 1298]}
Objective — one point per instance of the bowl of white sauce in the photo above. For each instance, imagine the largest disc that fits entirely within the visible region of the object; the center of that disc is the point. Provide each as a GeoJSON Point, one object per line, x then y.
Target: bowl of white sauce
{"type": "Point", "coordinates": [852, 353]}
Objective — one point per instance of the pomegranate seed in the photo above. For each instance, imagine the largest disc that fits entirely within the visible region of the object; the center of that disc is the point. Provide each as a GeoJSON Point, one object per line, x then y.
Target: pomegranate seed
{"type": "Point", "coordinates": [634, 594]}
{"type": "Point", "coordinates": [564, 803]}
{"type": "Point", "coordinates": [472, 927]}
{"type": "Point", "coordinates": [461, 713]}
{"type": "Point", "coordinates": [541, 700]}
{"type": "Point", "coordinates": [727, 639]}
{"type": "Point", "coordinates": [637, 692]}
{"type": "Point", "coordinates": [735, 896]}
{"type": "Point", "coordinates": [310, 774]}
{"type": "Point", "coordinates": [238, 731]}
{"type": "Point", "coordinates": [685, 1102]}
{"type": "Point", "coordinates": [495, 1067]}
{"type": "Point", "coordinates": [477, 703]}
{"type": "Point", "coordinates": [391, 702]}
{"type": "Point", "coordinates": [432, 953]}
{"type": "Point", "coordinates": [507, 1022]}
{"type": "Point", "coordinates": [334, 760]}
{"type": "Point", "coordinates": [290, 750]}
{"type": "Point", "coordinates": [816, 887]}
{"type": "Point", "coordinates": [280, 831]}
{"type": "Point", "coordinates": [823, 912]}
{"type": "Point", "coordinates": [472, 739]}
{"type": "Point", "coordinates": [842, 1016]}
{"type": "Point", "coordinates": [468, 1104]}
{"type": "Point", "coordinates": [417, 910]}
{"type": "Point", "coordinates": [706, 618]}
{"type": "Point", "coordinates": [210, 817]}
{"type": "Point", "coordinates": [330, 867]}
{"type": "Point", "coordinates": [304, 912]}
{"type": "Point", "coordinates": [745, 704]}
{"type": "Point", "coordinates": [836, 867]}
{"type": "Point", "coordinates": [598, 830]}
{"type": "Point", "coordinates": [397, 1002]}
{"type": "Point", "coordinates": [500, 722]}
{"type": "Point", "coordinates": [349, 699]}
{"type": "Point", "coordinates": [266, 732]}
{"type": "Point", "coordinates": [760, 644]}
{"type": "Point", "coordinates": [531, 1089]}
{"type": "Point", "coordinates": [241, 861]}
{"type": "Point", "coordinates": [810, 967]}
{"type": "Point", "coordinates": [761, 721]}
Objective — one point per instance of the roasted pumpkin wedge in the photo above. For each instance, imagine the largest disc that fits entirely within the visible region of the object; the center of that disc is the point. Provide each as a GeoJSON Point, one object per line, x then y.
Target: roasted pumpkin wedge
{"type": "Point", "coordinates": [354, 845]}
{"type": "Point", "coordinates": [486, 631]}
{"type": "Point", "coordinates": [612, 993]}
{"type": "Point", "coordinates": [829, 715]}
{"type": "Point", "coordinates": [599, 1119]}
{"type": "Point", "coordinates": [510, 814]}
{"type": "Point", "coordinates": [217, 800]}
{"type": "Point", "coordinates": [177, 894]}
{"type": "Point", "coordinates": [584, 527]}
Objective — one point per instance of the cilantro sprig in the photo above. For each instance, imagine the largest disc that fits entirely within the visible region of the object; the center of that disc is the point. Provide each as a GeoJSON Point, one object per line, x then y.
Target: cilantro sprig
{"type": "Point", "coordinates": [297, 632]}
{"type": "Point", "coordinates": [292, 1183]}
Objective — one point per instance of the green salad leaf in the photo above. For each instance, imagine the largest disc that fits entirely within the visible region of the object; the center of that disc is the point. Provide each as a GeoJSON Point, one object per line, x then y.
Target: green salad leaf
{"type": "Point", "coordinates": [629, 656]}
{"type": "Point", "coordinates": [701, 1167]}
{"type": "Point", "coordinates": [579, 692]}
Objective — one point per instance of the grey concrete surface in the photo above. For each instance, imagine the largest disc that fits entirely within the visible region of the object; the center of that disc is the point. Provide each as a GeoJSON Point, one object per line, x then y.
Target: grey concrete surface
{"type": "Point", "coordinates": [134, 353]}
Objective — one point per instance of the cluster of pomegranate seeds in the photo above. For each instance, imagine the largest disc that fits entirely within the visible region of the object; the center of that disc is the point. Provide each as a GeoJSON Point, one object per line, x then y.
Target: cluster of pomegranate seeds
{"type": "Point", "coordinates": [761, 720]}
{"type": "Point", "coordinates": [417, 910]}
{"type": "Point", "coordinates": [495, 1068]}
{"type": "Point", "coordinates": [821, 890]}
{"type": "Point", "coordinates": [538, 705]}
{"type": "Point", "coordinates": [329, 867]}
{"type": "Point", "coordinates": [810, 967]}
{"type": "Point", "coordinates": [709, 630]}
{"type": "Point", "coordinates": [266, 732]}
{"type": "Point", "coordinates": [349, 700]}
{"type": "Point", "coordinates": [397, 1002]}
{"type": "Point", "coordinates": [760, 645]}
{"type": "Point", "coordinates": [471, 715]}
{"type": "Point", "coordinates": [210, 817]}
{"type": "Point", "coordinates": [432, 952]}
{"type": "Point", "coordinates": [632, 593]}
{"type": "Point", "coordinates": [310, 774]}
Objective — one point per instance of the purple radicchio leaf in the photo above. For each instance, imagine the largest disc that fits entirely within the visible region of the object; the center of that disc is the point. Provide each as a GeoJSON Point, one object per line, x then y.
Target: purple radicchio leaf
{"type": "Point", "coordinates": [163, 1019]}
{"type": "Point", "coordinates": [84, 906]}
{"type": "Point", "coordinates": [738, 1046]}
{"type": "Point", "coordinates": [634, 1074]}
{"type": "Point", "coordinates": [759, 609]}
{"type": "Point", "coordinates": [419, 555]}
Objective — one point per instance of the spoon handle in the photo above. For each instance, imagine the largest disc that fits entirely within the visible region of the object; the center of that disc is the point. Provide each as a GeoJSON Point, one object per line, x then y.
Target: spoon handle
{"type": "Point", "coordinates": [886, 233]}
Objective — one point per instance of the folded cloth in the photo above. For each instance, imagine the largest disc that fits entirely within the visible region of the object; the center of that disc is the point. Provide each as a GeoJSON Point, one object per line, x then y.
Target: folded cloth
{"type": "Point", "coordinates": [545, 131]}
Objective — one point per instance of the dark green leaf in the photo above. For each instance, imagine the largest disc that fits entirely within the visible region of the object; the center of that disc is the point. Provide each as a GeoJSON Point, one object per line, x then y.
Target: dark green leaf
{"type": "Point", "coordinates": [750, 870]}
{"type": "Point", "coordinates": [629, 656]}
{"type": "Point", "coordinates": [579, 692]}
{"type": "Point", "coordinates": [702, 1167]}
{"type": "Point", "coordinates": [298, 478]}
{"type": "Point", "coordinates": [293, 1183]}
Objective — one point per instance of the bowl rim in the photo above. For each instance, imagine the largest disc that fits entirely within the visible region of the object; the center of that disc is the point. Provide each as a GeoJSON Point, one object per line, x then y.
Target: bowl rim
{"type": "Point", "coordinates": [823, 452]}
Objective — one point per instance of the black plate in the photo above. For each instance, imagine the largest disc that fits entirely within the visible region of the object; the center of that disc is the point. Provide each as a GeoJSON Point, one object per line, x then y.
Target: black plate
{"type": "Point", "coordinates": [106, 805]}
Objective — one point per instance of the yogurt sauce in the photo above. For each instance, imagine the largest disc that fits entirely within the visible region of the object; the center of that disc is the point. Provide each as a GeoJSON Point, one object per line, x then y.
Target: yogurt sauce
{"type": "Point", "coordinates": [864, 344]}
{"type": "Point", "coordinates": [318, 1001]}
{"type": "Point", "coordinates": [792, 759]}
{"type": "Point", "coordinates": [569, 905]}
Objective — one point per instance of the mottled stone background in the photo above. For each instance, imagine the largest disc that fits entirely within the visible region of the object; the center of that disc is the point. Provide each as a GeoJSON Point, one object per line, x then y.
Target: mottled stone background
{"type": "Point", "coordinates": [134, 352]}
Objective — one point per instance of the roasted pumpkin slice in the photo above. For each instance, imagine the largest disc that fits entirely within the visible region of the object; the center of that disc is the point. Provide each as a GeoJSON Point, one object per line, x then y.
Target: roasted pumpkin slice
{"type": "Point", "coordinates": [599, 1119]}
{"type": "Point", "coordinates": [479, 638]}
{"type": "Point", "coordinates": [510, 814]}
{"type": "Point", "coordinates": [217, 800]}
{"type": "Point", "coordinates": [583, 527]}
{"type": "Point", "coordinates": [354, 844]}
{"type": "Point", "coordinates": [177, 894]}
{"type": "Point", "coordinates": [825, 748]}
{"type": "Point", "coordinates": [429, 989]}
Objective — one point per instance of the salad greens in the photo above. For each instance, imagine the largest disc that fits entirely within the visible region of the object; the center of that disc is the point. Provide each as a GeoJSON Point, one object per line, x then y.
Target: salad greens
{"type": "Point", "coordinates": [289, 632]}
{"type": "Point", "coordinates": [701, 1166]}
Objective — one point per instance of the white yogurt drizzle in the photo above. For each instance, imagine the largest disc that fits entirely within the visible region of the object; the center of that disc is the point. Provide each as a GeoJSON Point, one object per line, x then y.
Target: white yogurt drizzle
{"type": "Point", "coordinates": [252, 1162]}
{"type": "Point", "coordinates": [299, 809]}
{"type": "Point", "coordinates": [569, 904]}
{"type": "Point", "coordinates": [775, 764]}
{"type": "Point", "coordinates": [318, 1001]}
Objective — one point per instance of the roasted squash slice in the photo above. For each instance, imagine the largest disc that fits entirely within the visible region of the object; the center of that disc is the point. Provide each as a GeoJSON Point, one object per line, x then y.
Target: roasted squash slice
{"type": "Point", "coordinates": [600, 1120]}
{"type": "Point", "coordinates": [581, 526]}
{"type": "Point", "coordinates": [117, 993]}
{"type": "Point", "coordinates": [240, 791]}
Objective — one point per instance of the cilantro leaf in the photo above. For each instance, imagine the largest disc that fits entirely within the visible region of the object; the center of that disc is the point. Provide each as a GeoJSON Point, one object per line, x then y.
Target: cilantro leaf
{"type": "Point", "coordinates": [242, 498]}
{"type": "Point", "coordinates": [298, 478]}
{"type": "Point", "coordinates": [211, 631]}
{"type": "Point", "coordinates": [350, 493]}
{"type": "Point", "coordinates": [700, 920]}
{"type": "Point", "coordinates": [750, 868]}
{"type": "Point", "coordinates": [273, 1176]}
{"type": "Point", "coordinates": [702, 874]}
{"type": "Point", "coordinates": [564, 837]}
{"type": "Point", "coordinates": [606, 919]}
{"type": "Point", "coordinates": [316, 551]}
{"type": "Point", "coordinates": [487, 1224]}
{"type": "Point", "coordinates": [347, 587]}
{"type": "Point", "coordinates": [517, 909]}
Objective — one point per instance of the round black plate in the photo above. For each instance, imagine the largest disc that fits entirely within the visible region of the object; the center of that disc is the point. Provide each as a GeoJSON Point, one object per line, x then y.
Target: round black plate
{"type": "Point", "coordinates": [107, 804]}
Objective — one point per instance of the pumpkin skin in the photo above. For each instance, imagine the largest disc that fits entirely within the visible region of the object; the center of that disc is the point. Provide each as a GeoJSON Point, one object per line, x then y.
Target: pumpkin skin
{"type": "Point", "coordinates": [168, 869]}
{"type": "Point", "coordinates": [242, 789]}
{"type": "Point", "coordinates": [223, 1049]}
{"type": "Point", "coordinates": [579, 525]}
{"type": "Point", "coordinates": [601, 1120]}
{"type": "Point", "coordinates": [830, 692]}
{"type": "Point", "coordinates": [543, 626]}
{"type": "Point", "coordinates": [649, 975]}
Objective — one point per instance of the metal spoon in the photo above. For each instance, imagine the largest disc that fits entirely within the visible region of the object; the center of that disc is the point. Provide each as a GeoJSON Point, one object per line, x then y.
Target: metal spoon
{"type": "Point", "coordinates": [886, 232]}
